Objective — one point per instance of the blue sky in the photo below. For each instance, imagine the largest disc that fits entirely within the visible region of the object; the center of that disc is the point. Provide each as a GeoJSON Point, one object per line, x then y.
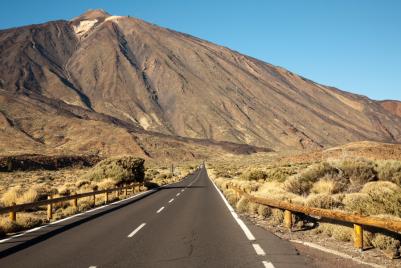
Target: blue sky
{"type": "Point", "coordinates": [354, 45]}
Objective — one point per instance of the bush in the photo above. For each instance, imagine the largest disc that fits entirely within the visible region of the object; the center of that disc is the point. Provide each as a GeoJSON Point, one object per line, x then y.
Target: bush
{"type": "Point", "coordinates": [358, 203]}
{"type": "Point", "coordinates": [242, 205]}
{"type": "Point", "coordinates": [264, 211]}
{"type": "Point", "coordinates": [389, 171]}
{"type": "Point", "coordinates": [385, 198]}
{"type": "Point", "coordinates": [17, 196]}
{"type": "Point", "coordinates": [375, 198]}
{"type": "Point", "coordinates": [254, 175]}
{"type": "Point", "coordinates": [323, 201]}
{"type": "Point", "coordinates": [253, 208]}
{"type": "Point", "coordinates": [303, 183]}
{"type": "Point", "coordinates": [358, 171]}
{"type": "Point", "coordinates": [298, 185]}
{"type": "Point", "coordinates": [280, 174]}
{"type": "Point", "coordinates": [126, 169]}
{"type": "Point", "coordinates": [385, 242]}
{"type": "Point", "coordinates": [329, 186]}
{"type": "Point", "coordinates": [277, 216]}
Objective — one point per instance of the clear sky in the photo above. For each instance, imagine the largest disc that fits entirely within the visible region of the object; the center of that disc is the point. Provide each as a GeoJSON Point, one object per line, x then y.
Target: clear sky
{"type": "Point", "coordinates": [354, 45]}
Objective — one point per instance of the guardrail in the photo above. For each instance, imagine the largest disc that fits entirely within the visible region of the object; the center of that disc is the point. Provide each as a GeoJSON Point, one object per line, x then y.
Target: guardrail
{"type": "Point", "coordinates": [357, 220]}
{"type": "Point", "coordinates": [12, 210]}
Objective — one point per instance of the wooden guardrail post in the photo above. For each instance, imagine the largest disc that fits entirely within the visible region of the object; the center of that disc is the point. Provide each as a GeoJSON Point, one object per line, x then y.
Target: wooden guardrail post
{"type": "Point", "coordinates": [106, 200]}
{"type": "Point", "coordinates": [94, 200]}
{"type": "Point", "coordinates": [75, 202]}
{"type": "Point", "coordinates": [358, 237]}
{"type": "Point", "coordinates": [49, 209]}
{"type": "Point", "coordinates": [13, 214]}
{"type": "Point", "coordinates": [288, 219]}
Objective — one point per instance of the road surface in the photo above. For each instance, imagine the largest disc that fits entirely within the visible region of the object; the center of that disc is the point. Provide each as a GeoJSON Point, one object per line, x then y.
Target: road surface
{"type": "Point", "coordinates": [187, 224]}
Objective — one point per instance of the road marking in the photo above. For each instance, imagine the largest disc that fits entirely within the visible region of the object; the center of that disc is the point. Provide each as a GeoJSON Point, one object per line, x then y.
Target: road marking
{"type": "Point", "coordinates": [136, 230]}
{"type": "Point", "coordinates": [335, 252]}
{"type": "Point", "coordinates": [241, 224]}
{"type": "Point", "coordinates": [73, 216]}
{"type": "Point", "coordinates": [92, 266]}
{"type": "Point", "coordinates": [267, 264]}
{"type": "Point", "coordinates": [182, 190]}
{"type": "Point", "coordinates": [160, 210]}
{"type": "Point", "coordinates": [171, 200]}
{"type": "Point", "coordinates": [178, 194]}
{"type": "Point", "coordinates": [259, 250]}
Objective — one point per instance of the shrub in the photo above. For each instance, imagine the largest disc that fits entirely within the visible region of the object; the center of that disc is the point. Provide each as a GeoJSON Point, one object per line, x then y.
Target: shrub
{"type": "Point", "coordinates": [277, 216]}
{"type": "Point", "coordinates": [253, 208]}
{"type": "Point", "coordinates": [264, 211]}
{"type": "Point", "coordinates": [124, 169]}
{"type": "Point", "coordinates": [280, 174]}
{"type": "Point", "coordinates": [329, 186]}
{"type": "Point", "coordinates": [389, 171]}
{"type": "Point", "coordinates": [242, 205]}
{"type": "Point", "coordinates": [342, 233]}
{"type": "Point", "coordinates": [81, 183]}
{"type": "Point", "coordinates": [302, 184]}
{"type": "Point", "coordinates": [385, 197]}
{"type": "Point", "coordinates": [385, 242]}
{"type": "Point", "coordinates": [254, 175]}
{"type": "Point", "coordinates": [11, 196]}
{"type": "Point", "coordinates": [358, 203]}
{"type": "Point", "coordinates": [106, 184]}
{"type": "Point", "coordinates": [375, 198]}
{"type": "Point", "coordinates": [323, 201]}
{"type": "Point", "coordinates": [317, 171]}
{"type": "Point", "coordinates": [298, 185]}
{"type": "Point", "coordinates": [358, 171]}
{"type": "Point", "coordinates": [17, 196]}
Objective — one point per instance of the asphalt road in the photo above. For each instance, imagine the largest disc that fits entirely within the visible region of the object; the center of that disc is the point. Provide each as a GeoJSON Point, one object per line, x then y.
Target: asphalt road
{"type": "Point", "coordinates": [187, 224]}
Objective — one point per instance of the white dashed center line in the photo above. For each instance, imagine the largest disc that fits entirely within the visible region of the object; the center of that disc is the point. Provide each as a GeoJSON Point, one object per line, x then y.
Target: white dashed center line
{"type": "Point", "coordinates": [182, 190]}
{"type": "Point", "coordinates": [136, 230]}
{"type": "Point", "coordinates": [160, 210]}
{"type": "Point", "coordinates": [268, 264]}
{"type": "Point", "coordinates": [259, 250]}
{"type": "Point", "coordinates": [178, 194]}
{"type": "Point", "coordinates": [171, 200]}
{"type": "Point", "coordinates": [92, 266]}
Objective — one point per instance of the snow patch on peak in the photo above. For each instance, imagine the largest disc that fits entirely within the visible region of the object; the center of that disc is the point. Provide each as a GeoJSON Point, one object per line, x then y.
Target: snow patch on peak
{"type": "Point", "coordinates": [84, 27]}
{"type": "Point", "coordinates": [114, 18]}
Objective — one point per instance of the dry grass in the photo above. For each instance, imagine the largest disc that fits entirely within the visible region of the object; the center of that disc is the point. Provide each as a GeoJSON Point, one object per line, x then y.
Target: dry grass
{"type": "Point", "coordinates": [16, 195]}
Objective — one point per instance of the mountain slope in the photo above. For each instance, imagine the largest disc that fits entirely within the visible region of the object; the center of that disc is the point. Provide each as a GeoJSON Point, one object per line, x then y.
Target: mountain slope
{"type": "Point", "coordinates": [163, 81]}
{"type": "Point", "coordinates": [392, 106]}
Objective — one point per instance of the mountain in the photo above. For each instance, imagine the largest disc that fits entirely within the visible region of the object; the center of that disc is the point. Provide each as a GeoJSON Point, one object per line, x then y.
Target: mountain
{"type": "Point", "coordinates": [132, 76]}
{"type": "Point", "coordinates": [392, 106]}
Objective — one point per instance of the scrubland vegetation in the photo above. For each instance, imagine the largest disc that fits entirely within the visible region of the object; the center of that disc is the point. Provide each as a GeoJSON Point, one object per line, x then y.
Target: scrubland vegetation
{"type": "Point", "coordinates": [356, 185]}
{"type": "Point", "coordinates": [25, 187]}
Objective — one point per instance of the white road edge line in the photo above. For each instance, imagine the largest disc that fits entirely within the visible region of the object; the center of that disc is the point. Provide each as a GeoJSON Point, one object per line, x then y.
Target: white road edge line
{"type": "Point", "coordinates": [267, 264]}
{"type": "Point", "coordinates": [337, 253]}
{"type": "Point", "coordinates": [160, 210]}
{"type": "Point", "coordinates": [241, 224]}
{"type": "Point", "coordinates": [71, 217]}
{"type": "Point", "coordinates": [259, 250]}
{"type": "Point", "coordinates": [171, 200]}
{"type": "Point", "coordinates": [136, 230]}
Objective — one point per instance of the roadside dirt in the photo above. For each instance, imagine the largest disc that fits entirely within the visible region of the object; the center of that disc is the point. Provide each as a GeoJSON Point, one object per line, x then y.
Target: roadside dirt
{"type": "Point", "coordinates": [320, 258]}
